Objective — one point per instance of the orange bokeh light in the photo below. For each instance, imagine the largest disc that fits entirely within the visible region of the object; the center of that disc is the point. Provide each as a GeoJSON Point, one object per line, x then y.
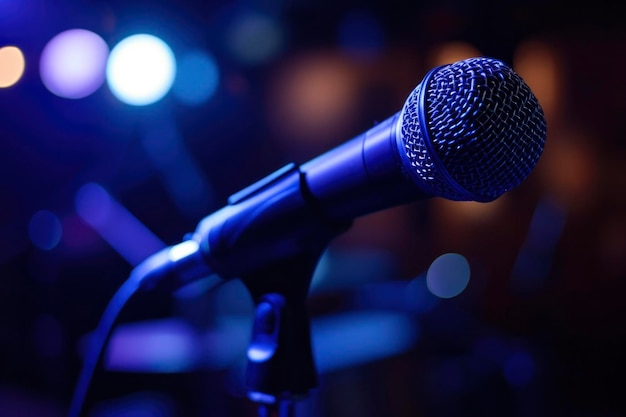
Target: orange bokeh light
{"type": "Point", "coordinates": [12, 66]}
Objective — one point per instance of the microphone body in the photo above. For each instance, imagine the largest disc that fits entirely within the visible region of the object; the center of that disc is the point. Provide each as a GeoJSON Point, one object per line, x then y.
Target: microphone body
{"type": "Point", "coordinates": [469, 131]}
{"type": "Point", "coordinates": [297, 209]}
{"type": "Point", "coordinates": [363, 175]}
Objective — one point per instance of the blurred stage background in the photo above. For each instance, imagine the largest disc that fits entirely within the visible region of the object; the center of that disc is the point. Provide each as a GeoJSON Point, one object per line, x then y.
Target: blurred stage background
{"type": "Point", "coordinates": [100, 169]}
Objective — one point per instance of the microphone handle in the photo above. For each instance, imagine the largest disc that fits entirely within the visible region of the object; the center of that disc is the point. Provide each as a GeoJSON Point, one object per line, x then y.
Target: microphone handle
{"type": "Point", "coordinates": [363, 175]}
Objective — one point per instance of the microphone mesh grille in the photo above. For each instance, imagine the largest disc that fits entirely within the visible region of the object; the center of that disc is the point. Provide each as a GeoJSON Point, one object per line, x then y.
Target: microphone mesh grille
{"type": "Point", "coordinates": [485, 130]}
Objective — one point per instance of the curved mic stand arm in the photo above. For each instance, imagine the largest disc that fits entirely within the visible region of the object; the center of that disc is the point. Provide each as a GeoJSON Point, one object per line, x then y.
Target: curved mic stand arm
{"type": "Point", "coordinates": [281, 367]}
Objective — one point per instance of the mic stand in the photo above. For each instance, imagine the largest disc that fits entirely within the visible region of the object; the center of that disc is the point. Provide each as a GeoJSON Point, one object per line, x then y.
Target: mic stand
{"type": "Point", "coordinates": [281, 369]}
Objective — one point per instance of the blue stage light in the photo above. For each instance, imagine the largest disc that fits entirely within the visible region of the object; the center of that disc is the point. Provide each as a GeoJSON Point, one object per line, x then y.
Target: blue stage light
{"type": "Point", "coordinates": [197, 78]}
{"type": "Point", "coordinates": [141, 69]}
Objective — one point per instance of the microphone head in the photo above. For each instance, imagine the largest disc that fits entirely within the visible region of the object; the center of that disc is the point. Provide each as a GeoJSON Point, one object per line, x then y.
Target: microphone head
{"type": "Point", "coordinates": [471, 130]}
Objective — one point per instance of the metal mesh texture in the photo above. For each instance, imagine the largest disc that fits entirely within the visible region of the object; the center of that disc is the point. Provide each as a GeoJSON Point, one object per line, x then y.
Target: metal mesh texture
{"type": "Point", "coordinates": [485, 130]}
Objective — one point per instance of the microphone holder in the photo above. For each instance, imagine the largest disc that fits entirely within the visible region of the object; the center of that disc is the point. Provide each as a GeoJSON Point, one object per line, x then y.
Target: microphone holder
{"type": "Point", "coordinates": [281, 368]}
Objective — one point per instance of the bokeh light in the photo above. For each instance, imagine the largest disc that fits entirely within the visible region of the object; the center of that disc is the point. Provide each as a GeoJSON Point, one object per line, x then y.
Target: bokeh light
{"type": "Point", "coordinates": [73, 63]}
{"type": "Point", "coordinates": [457, 221]}
{"type": "Point", "coordinates": [351, 339]}
{"type": "Point", "coordinates": [419, 298]}
{"type": "Point", "coordinates": [519, 369]}
{"type": "Point", "coordinates": [541, 68]}
{"type": "Point", "coordinates": [469, 212]}
{"type": "Point", "coordinates": [115, 224]}
{"type": "Point", "coordinates": [179, 172]}
{"type": "Point", "coordinates": [535, 257]}
{"type": "Point", "coordinates": [12, 65]}
{"type": "Point", "coordinates": [141, 69]}
{"type": "Point", "coordinates": [197, 78]}
{"type": "Point", "coordinates": [450, 52]}
{"type": "Point", "coordinates": [448, 275]}
{"type": "Point", "coordinates": [14, 14]}
{"type": "Point", "coordinates": [314, 100]}
{"type": "Point", "coordinates": [361, 35]}
{"type": "Point", "coordinates": [153, 346]}
{"type": "Point", "coordinates": [573, 170]}
{"type": "Point", "coordinates": [44, 230]}
{"type": "Point", "coordinates": [255, 38]}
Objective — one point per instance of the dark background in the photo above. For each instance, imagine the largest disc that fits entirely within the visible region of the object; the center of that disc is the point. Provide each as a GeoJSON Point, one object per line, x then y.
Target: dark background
{"type": "Point", "coordinates": [544, 304]}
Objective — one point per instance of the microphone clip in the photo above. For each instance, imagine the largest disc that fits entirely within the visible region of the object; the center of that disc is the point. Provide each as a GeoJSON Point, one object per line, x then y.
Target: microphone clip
{"type": "Point", "coordinates": [281, 367]}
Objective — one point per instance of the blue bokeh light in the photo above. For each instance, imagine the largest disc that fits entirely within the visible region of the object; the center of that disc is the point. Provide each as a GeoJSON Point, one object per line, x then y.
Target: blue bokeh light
{"type": "Point", "coordinates": [197, 78]}
{"type": "Point", "coordinates": [158, 346]}
{"type": "Point", "coordinates": [180, 173]}
{"type": "Point", "coordinates": [519, 369]}
{"type": "Point", "coordinates": [141, 69]}
{"type": "Point", "coordinates": [353, 339]}
{"type": "Point", "coordinates": [45, 230]}
{"type": "Point", "coordinates": [448, 275]}
{"type": "Point", "coordinates": [115, 224]}
{"type": "Point", "coordinates": [360, 34]}
{"type": "Point", "coordinates": [13, 13]}
{"type": "Point", "coordinates": [418, 298]}
{"type": "Point", "coordinates": [255, 38]}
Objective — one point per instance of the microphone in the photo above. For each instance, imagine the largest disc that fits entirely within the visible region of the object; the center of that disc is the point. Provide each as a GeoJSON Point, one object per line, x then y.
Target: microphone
{"type": "Point", "coordinates": [470, 131]}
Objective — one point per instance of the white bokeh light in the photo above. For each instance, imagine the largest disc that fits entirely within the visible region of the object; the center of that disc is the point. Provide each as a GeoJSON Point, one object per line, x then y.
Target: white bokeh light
{"type": "Point", "coordinates": [141, 69]}
{"type": "Point", "coordinates": [72, 63]}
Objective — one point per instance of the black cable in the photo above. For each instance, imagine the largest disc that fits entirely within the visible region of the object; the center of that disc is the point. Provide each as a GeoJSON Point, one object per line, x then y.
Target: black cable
{"type": "Point", "coordinates": [98, 341]}
{"type": "Point", "coordinates": [102, 333]}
